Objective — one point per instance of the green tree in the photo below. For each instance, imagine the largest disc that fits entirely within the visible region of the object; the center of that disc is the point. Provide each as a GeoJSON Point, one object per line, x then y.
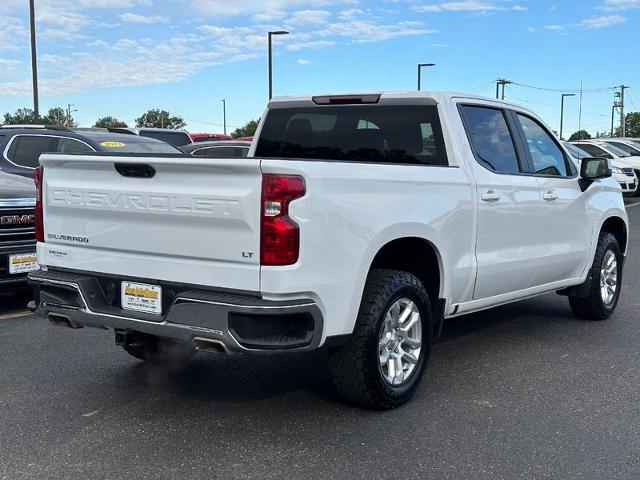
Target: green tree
{"type": "Point", "coordinates": [247, 130]}
{"type": "Point", "coordinates": [109, 122]}
{"type": "Point", "coordinates": [579, 135]}
{"type": "Point", "coordinates": [22, 116]}
{"type": "Point", "coordinates": [58, 116]}
{"type": "Point", "coordinates": [632, 125]}
{"type": "Point", "coordinates": [157, 118]}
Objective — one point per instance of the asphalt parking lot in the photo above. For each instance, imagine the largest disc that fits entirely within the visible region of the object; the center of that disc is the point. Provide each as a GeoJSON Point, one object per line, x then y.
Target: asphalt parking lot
{"type": "Point", "coordinates": [522, 391]}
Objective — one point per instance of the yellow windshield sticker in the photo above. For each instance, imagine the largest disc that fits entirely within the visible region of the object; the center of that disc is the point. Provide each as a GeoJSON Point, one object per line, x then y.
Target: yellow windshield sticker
{"type": "Point", "coordinates": [112, 144]}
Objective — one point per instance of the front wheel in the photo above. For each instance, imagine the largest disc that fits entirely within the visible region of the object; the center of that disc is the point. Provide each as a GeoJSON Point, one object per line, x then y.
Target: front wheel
{"type": "Point", "coordinates": [382, 365]}
{"type": "Point", "coordinates": [606, 281]}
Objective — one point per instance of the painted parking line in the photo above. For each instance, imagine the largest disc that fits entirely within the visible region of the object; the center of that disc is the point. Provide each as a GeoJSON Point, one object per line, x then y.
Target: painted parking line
{"type": "Point", "coordinates": [9, 316]}
{"type": "Point", "coordinates": [629, 205]}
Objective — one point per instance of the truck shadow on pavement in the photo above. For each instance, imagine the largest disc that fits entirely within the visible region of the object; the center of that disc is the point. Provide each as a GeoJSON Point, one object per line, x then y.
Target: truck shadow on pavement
{"type": "Point", "coordinates": [247, 379]}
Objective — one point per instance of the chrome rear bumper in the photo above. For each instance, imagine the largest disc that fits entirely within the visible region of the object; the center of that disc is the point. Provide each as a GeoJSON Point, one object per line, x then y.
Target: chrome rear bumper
{"type": "Point", "coordinates": [229, 322]}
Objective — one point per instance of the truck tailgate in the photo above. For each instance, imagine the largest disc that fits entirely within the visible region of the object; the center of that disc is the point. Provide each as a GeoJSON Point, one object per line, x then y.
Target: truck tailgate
{"type": "Point", "coordinates": [195, 221]}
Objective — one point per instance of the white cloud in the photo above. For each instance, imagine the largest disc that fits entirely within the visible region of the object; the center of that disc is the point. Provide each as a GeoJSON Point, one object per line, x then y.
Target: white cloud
{"type": "Point", "coordinates": [438, 45]}
{"type": "Point", "coordinates": [146, 19]}
{"type": "Point", "coordinates": [592, 23]}
{"type": "Point", "coordinates": [613, 5]}
{"type": "Point", "coordinates": [464, 6]}
{"type": "Point", "coordinates": [601, 22]}
{"type": "Point", "coordinates": [301, 61]}
{"type": "Point", "coordinates": [308, 17]}
{"type": "Point", "coordinates": [250, 7]}
{"type": "Point", "coordinates": [368, 31]}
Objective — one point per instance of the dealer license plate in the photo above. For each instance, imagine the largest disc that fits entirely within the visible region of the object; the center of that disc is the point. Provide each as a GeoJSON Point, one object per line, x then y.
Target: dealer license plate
{"type": "Point", "coordinates": [23, 263]}
{"type": "Point", "coordinates": [141, 297]}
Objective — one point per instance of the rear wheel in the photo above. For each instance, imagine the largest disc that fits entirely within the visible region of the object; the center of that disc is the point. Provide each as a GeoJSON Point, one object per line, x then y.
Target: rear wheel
{"type": "Point", "coordinates": [155, 350]}
{"type": "Point", "coordinates": [382, 365]}
{"type": "Point", "coordinates": [606, 274]}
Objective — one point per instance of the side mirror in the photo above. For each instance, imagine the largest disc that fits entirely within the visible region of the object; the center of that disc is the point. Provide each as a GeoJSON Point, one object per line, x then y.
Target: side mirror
{"type": "Point", "coordinates": [592, 169]}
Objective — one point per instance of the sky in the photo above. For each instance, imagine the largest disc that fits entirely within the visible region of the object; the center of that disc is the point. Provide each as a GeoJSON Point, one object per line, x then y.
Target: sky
{"type": "Point", "coordinates": [123, 57]}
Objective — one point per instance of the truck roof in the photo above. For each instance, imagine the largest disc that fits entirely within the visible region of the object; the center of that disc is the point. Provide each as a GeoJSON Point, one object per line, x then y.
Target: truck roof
{"type": "Point", "coordinates": [388, 98]}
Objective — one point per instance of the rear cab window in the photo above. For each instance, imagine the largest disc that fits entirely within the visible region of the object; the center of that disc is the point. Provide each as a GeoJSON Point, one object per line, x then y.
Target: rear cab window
{"type": "Point", "coordinates": [355, 133]}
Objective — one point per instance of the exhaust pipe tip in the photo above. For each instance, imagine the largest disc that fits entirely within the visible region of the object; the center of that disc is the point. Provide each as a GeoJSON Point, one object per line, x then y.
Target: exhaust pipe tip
{"type": "Point", "coordinates": [210, 346]}
{"type": "Point", "coordinates": [61, 321]}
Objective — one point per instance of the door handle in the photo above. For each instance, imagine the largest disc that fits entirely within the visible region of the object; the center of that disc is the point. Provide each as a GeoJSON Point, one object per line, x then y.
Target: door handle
{"type": "Point", "coordinates": [490, 196]}
{"type": "Point", "coordinates": [550, 195]}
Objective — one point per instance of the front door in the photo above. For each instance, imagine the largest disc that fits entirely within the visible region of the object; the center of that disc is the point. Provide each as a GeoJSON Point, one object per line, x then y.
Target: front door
{"type": "Point", "coordinates": [565, 239]}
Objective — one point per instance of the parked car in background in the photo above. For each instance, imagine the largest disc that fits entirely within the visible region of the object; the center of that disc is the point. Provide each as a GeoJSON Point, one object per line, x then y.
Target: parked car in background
{"type": "Point", "coordinates": [21, 147]}
{"type": "Point", "coordinates": [244, 139]}
{"type": "Point", "coordinates": [177, 138]}
{"type": "Point", "coordinates": [17, 235]}
{"type": "Point", "coordinates": [209, 137]}
{"type": "Point", "coordinates": [629, 146]}
{"type": "Point", "coordinates": [621, 172]}
{"type": "Point", "coordinates": [600, 148]}
{"type": "Point", "coordinates": [221, 148]}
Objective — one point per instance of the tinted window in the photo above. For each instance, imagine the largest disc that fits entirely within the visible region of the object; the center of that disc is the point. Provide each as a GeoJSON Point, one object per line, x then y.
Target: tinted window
{"type": "Point", "coordinates": [594, 150]}
{"type": "Point", "coordinates": [490, 138]}
{"type": "Point", "coordinates": [626, 148]}
{"type": "Point", "coordinates": [25, 150]}
{"type": "Point", "coordinates": [367, 133]}
{"type": "Point", "coordinates": [222, 152]}
{"type": "Point", "coordinates": [70, 145]}
{"type": "Point", "coordinates": [576, 152]}
{"type": "Point", "coordinates": [547, 156]}
{"type": "Point", "coordinates": [179, 139]}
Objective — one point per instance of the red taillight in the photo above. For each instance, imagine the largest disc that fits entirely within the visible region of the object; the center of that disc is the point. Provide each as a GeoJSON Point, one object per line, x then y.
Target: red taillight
{"type": "Point", "coordinates": [37, 178]}
{"type": "Point", "coordinates": [279, 236]}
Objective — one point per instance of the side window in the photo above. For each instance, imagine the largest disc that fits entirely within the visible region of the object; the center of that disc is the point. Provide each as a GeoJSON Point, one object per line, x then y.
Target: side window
{"type": "Point", "coordinates": [594, 150]}
{"type": "Point", "coordinates": [25, 150]}
{"type": "Point", "coordinates": [70, 145]}
{"type": "Point", "coordinates": [547, 157]}
{"type": "Point", "coordinates": [491, 139]}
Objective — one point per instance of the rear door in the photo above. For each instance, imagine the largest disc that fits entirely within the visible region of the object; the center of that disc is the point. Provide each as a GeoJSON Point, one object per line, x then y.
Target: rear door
{"type": "Point", "coordinates": [508, 202]}
{"type": "Point", "coordinates": [187, 220]}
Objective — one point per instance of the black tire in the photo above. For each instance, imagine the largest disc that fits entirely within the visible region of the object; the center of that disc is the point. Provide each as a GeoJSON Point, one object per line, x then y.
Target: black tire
{"type": "Point", "coordinates": [355, 366]}
{"type": "Point", "coordinates": [592, 306]}
{"type": "Point", "coordinates": [155, 350]}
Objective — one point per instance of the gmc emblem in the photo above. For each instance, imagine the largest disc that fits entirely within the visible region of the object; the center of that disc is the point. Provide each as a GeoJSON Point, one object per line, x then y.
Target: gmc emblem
{"type": "Point", "coordinates": [17, 219]}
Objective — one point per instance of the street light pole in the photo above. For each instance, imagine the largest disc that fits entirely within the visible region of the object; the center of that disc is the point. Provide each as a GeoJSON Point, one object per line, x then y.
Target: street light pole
{"type": "Point", "coordinates": [224, 115]}
{"type": "Point", "coordinates": [562, 109]}
{"type": "Point", "coordinates": [34, 65]}
{"type": "Point", "coordinates": [420, 65]}
{"type": "Point", "coordinates": [271, 34]}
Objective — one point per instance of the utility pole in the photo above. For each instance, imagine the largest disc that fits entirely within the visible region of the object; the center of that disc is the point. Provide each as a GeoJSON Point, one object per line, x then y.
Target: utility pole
{"type": "Point", "coordinates": [562, 109]}
{"type": "Point", "coordinates": [501, 82]}
{"type": "Point", "coordinates": [224, 115]}
{"type": "Point", "coordinates": [34, 63]}
{"type": "Point", "coordinates": [613, 113]}
{"type": "Point", "coordinates": [623, 132]}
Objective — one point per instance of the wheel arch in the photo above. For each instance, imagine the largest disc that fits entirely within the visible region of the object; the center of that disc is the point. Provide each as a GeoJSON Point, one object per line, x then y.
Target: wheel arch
{"type": "Point", "coordinates": [616, 226]}
{"type": "Point", "coordinates": [404, 253]}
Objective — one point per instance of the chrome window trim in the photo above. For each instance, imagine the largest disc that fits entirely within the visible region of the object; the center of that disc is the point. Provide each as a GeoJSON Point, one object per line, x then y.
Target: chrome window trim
{"type": "Point", "coordinates": [6, 149]}
{"type": "Point", "coordinates": [17, 202]}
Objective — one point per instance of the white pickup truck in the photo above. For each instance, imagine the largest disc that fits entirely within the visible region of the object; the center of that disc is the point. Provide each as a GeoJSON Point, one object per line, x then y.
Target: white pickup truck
{"type": "Point", "coordinates": [358, 222]}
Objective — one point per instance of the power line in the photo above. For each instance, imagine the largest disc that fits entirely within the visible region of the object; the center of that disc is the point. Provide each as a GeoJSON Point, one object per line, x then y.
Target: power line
{"type": "Point", "coordinates": [566, 90]}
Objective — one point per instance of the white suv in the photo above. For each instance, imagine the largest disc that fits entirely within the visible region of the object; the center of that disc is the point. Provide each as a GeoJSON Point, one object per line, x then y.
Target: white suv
{"type": "Point", "coordinates": [622, 172]}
